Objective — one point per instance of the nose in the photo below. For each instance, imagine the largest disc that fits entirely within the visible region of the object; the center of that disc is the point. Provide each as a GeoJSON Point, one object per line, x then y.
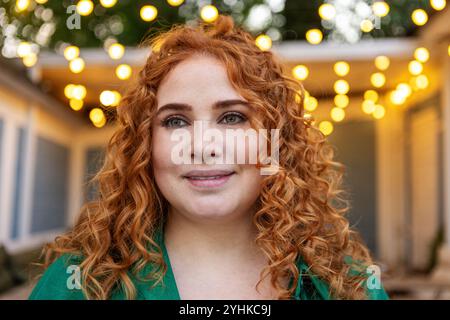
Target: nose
{"type": "Point", "coordinates": [208, 143]}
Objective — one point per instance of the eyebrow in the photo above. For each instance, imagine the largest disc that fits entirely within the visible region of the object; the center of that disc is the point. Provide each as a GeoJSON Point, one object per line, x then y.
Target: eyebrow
{"type": "Point", "coordinates": [174, 106]}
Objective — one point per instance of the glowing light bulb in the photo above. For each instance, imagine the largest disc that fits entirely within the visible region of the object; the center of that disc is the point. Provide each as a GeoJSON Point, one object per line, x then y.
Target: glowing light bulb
{"type": "Point", "coordinates": [96, 115]}
{"type": "Point", "coordinates": [85, 7]}
{"type": "Point", "coordinates": [422, 54]}
{"type": "Point", "coordinates": [123, 71]}
{"type": "Point", "coordinates": [382, 63]}
{"type": "Point", "coordinates": [438, 4]}
{"type": "Point", "coordinates": [371, 95]}
{"type": "Point", "coordinates": [311, 103]}
{"type": "Point", "coordinates": [341, 68]}
{"type": "Point", "coordinates": [337, 114]}
{"type": "Point", "coordinates": [380, 8]}
{"type": "Point", "coordinates": [175, 3]}
{"type": "Point", "coordinates": [327, 11]}
{"type": "Point", "coordinates": [71, 52]}
{"type": "Point", "coordinates": [209, 13]}
{"type": "Point", "coordinates": [341, 100]}
{"type": "Point", "coordinates": [263, 42]}
{"type": "Point", "coordinates": [368, 106]}
{"type": "Point", "coordinates": [148, 13]}
{"type": "Point", "coordinates": [415, 67]}
{"type": "Point", "coordinates": [379, 112]}
{"type": "Point", "coordinates": [76, 104]}
{"type": "Point", "coordinates": [341, 87]}
{"type": "Point", "coordinates": [76, 65]}
{"type": "Point", "coordinates": [22, 5]}
{"type": "Point", "coordinates": [314, 36]}
{"type": "Point", "coordinates": [326, 127]}
{"type": "Point", "coordinates": [366, 26]}
{"type": "Point", "coordinates": [30, 60]}
{"type": "Point", "coordinates": [300, 72]}
{"type": "Point", "coordinates": [419, 17]}
{"type": "Point", "coordinates": [378, 79]}
{"type": "Point", "coordinates": [108, 3]}
{"type": "Point", "coordinates": [116, 51]}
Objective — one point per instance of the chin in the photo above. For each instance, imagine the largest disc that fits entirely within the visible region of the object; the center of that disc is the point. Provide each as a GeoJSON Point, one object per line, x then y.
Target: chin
{"type": "Point", "coordinates": [210, 209]}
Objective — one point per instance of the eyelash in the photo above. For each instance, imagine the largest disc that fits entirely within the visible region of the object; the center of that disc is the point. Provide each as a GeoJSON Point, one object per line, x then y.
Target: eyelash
{"type": "Point", "coordinates": [166, 121]}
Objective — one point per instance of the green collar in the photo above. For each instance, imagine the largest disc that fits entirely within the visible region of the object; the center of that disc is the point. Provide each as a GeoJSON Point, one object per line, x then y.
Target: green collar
{"type": "Point", "coordinates": [308, 287]}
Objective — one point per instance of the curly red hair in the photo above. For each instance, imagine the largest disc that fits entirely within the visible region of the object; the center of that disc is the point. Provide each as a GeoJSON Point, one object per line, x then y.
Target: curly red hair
{"type": "Point", "coordinates": [301, 209]}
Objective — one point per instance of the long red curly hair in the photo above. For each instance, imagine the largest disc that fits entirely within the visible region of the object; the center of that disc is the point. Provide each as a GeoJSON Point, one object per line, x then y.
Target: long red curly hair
{"type": "Point", "coordinates": [301, 210]}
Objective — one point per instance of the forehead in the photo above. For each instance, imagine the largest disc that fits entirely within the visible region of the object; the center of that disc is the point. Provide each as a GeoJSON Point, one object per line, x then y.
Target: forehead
{"type": "Point", "coordinates": [198, 80]}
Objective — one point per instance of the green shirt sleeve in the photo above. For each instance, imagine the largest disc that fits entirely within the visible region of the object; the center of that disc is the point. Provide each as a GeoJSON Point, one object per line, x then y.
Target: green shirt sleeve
{"type": "Point", "coordinates": [58, 281]}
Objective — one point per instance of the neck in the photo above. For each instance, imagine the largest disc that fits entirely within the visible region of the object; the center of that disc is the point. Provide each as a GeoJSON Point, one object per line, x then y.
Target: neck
{"type": "Point", "coordinates": [234, 236]}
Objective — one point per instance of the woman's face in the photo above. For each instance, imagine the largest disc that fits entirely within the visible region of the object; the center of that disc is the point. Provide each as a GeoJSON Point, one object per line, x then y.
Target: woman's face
{"type": "Point", "coordinates": [199, 90]}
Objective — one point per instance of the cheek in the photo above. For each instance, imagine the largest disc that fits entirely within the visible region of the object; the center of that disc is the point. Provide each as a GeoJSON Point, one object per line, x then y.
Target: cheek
{"type": "Point", "coordinates": [161, 150]}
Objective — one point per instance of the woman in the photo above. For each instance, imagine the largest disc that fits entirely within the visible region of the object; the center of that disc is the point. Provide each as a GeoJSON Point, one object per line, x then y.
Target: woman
{"type": "Point", "coordinates": [162, 229]}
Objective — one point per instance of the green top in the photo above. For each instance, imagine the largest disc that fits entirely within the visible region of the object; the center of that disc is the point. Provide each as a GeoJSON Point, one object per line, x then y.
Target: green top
{"type": "Point", "coordinates": [55, 283]}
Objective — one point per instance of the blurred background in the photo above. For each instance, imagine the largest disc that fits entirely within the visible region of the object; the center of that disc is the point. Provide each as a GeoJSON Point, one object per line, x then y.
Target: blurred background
{"type": "Point", "coordinates": [377, 75]}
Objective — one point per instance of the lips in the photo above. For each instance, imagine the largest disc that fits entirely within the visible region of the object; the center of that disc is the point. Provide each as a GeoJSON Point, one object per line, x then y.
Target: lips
{"type": "Point", "coordinates": [208, 178]}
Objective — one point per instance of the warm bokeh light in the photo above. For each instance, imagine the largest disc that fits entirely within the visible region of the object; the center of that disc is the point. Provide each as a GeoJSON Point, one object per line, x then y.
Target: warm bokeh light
{"type": "Point", "coordinates": [380, 8]}
{"type": "Point", "coordinates": [341, 68]}
{"type": "Point", "coordinates": [23, 49]}
{"type": "Point", "coordinates": [382, 63]}
{"type": "Point", "coordinates": [123, 71]}
{"type": "Point", "coordinates": [415, 67]}
{"type": "Point", "coordinates": [71, 52]}
{"type": "Point", "coordinates": [326, 127]}
{"type": "Point", "coordinates": [371, 95]}
{"type": "Point", "coordinates": [311, 103]}
{"type": "Point", "coordinates": [422, 54]}
{"type": "Point", "coordinates": [263, 42]}
{"type": "Point", "coordinates": [314, 36]}
{"type": "Point", "coordinates": [341, 87]}
{"type": "Point", "coordinates": [337, 114]}
{"type": "Point", "coordinates": [421, 82]}
{"type": "Point", "coordinates": [41, 1]}
{"type": "Point", "coordinates": [148, 13]}
{"type": "Point", "coordinates": [379, 112]}
{"type": "Point", "coordinates": [404, 89]}
{"type": "Point", "coordinates": [419, 17]}
{"type": "Point", "coordinates": [116, 51]}
{"type": "Point", "coordinates": [22, 5]}
{"type": "Point", "coordinates": [107, 98]}
{"type": "Point", "coordinates": [368, 106]}
{"type": "Point", "coordinates": [341, 100]}
{"type": "Point", "coordinates": [85, 7]}
{"type": "Point", "coordinates": [96, 115]}
{"type": "Point", "coordinates": [209, 13]}
{"type": "Point", "coordinates": [397, 97]}
{"type": "Point", "coordinates": [378, 79]}
{"type": "Point", "coordinates": [327, 11]}
{"type": "Point", "coordinates": [366, 26]}
{"type": "Point", "coordinates": [30, 60]}
{"type": "Point", "coordinates": [300, 72]}
{"type": "Point", "coordinates": [175, 3]}
{"type": "Point", "coordinates": [76, 104]}
{"type": "Point", "coordinates": [76, 65]}
{"type": "Point", "coordinates": [438, 4]}
{"type": "Point", "coordinates": [108, 3]}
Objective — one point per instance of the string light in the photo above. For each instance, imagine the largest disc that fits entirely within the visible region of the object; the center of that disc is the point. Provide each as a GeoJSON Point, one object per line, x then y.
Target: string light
{"type": "Point", "coordinates": [101, 123]}
{"type": "Point", "coordinates": [419, 17]}
{"type": "Point", "coordinates": [85, 7]}
{"type": "Point", "coordinates": [415, 67]}
{"type": "Point", "coordinates": [378, 79]}
{"type": "Point", "coordinates": [310, 103]}
{"type": "Point", "coordinates": [327, 11]}
{"type": "Point", "coordinates": [175, 3]}
{"type": "Point", "coordinates": [76, 65]}
{"type": "Point", "coordinates": [341, 100]}
{"type": "Point", "coordinates": [76, 104]}
{"type": "Point", "coordinates": [422, 54]}
{"type": "Point", "coordinates": [96, 115]}
{"type": "Point", "coordinates": [326, 127]}
{"type": "Point", "coordinates": [148, 13]}
{"type": "Point", "coordinates": [263, 42]}
{"type": "Point", "coordinates": [382, 63]}
{"type": "Point", "coordinates": [380, 8]}
{"type": "Point", "coordinates": [23, 49]}
{"type": "Point", "coordinates": [30, 60]}
{"type": "Point", "coordinates": [371, 95]}
{"type": "Point", "coordinates": [41, 1]}
{"type": "Point", "coordinates": [123, 71]}
{"type": "Point", "coordinates": [116, 51]}
{"type": "Point", "coordinates": [71, 52]}
{"type": "Point", "coordinates": [209, 13]}
{"type": "Point", "coordinates": [108, 3]}
{"type": "Point", "coordinates": [300, 72]}
{"type": "Point", "coordinates": [379, 112]}
{"type": "Point", "coordinates": [314, 36]}
{"type": "Point", "coordinates": [341, 87]}
{"type": "Point", "coordinates": [22, 5]}
{"type": "Point", "coordinates": [341, 68]}
{"type": "Point", "coordinates": [337, 114]}
{"type": "Point", "coordinates": [107, 98]}
{"type": "Point", "coordinates": [397, 97]}
{"type": "Point", "coordinates": [438, 4]}
{"type": "Point", "coordinates": [368, 106]}
{"type": "Point", "coordinates": [366, 26]}
{"type": "Point", "coordinates": [404, 89]}
{"type": "Point", "coordinates": [422, 82]}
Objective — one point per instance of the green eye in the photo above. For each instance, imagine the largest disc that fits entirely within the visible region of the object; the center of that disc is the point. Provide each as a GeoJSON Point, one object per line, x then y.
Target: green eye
{"type": "Point", "coordinates": [233, 118]}
{"type": "Point", "coordinates": [174, 122]}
